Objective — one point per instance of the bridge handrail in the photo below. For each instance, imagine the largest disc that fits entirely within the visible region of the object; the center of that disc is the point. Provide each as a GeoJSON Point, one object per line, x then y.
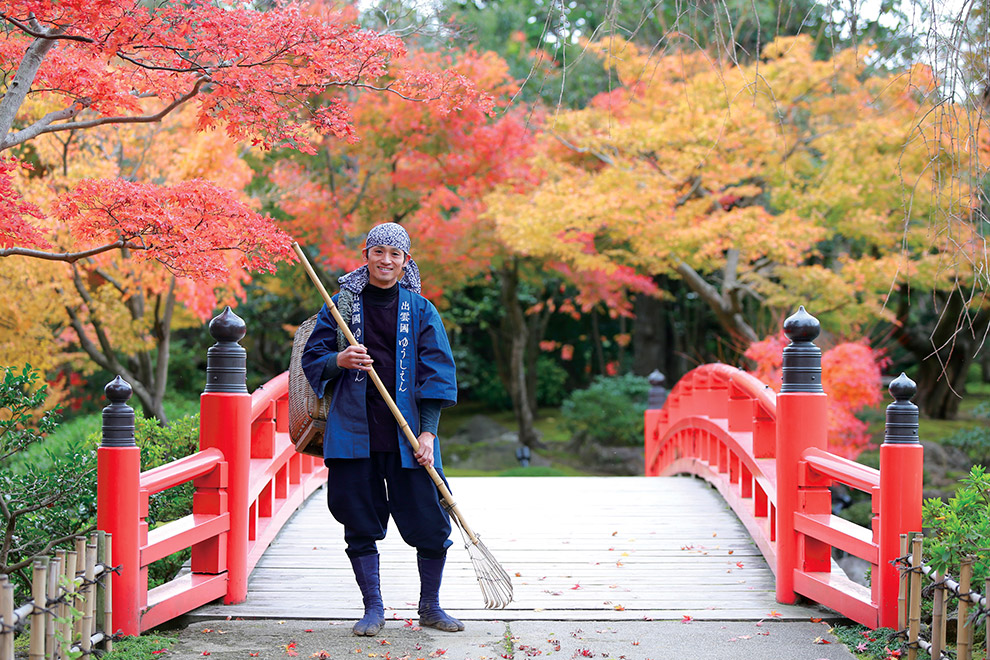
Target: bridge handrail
{"type": "Point", "coordinates": [766, 455]}
{"type": "Point", "coordinates": [248, 481]}
{"type": "Point", "coordinates": [180, 471]}
{"type": "Point", "coordinates": [840, 469]}
{"type": "Point", "coordinates": [273, 390]}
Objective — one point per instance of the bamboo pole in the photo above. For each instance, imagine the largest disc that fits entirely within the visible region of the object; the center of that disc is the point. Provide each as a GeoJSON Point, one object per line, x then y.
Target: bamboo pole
{"type": "Point", "coordinates": [54, 572]}
{"type": "Point", "coordinates": [89, 593]}
{"type": "Point", "coordinates": [39, 584]}
{"type": "Point", "coordinates": [6, 619]}
{"type": "Point", "coordinates": [914, 621]}
{"type": "Point", "coordinates": [902, 589]}
{"type": "Point", "coordinates": [100, 600]}
{"type": "Point", "coordinates": [108, 593]}
{"type": "Point", "coordinates": [964, 628]}
{"type": "Point", "coordinates": [77, 602]}
{"type": "Point", "coordinates": [71, 559]}
{"type": "Point", "coordinates": [938, 616]}
{"type": "Point", "coordinates": [58, 628]}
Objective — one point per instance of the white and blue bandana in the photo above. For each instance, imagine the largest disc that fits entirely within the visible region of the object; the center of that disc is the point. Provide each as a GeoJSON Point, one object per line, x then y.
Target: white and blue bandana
{"type": "Point", "coordinates": [387, 234]}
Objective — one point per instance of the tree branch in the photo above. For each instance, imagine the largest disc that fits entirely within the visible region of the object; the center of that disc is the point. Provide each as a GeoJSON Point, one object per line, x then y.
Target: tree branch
{"type": "Point", "coordinates": [731, 320]}
{"type": "Point", "coordinates": [37, 128]}
{"type": "Point", "coordinates": [69, 257]}
{"type": "Point", "coordinates": [54, 36]}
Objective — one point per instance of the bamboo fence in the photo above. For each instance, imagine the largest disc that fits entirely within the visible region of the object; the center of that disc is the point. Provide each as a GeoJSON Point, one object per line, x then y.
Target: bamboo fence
{"type": "Point", "coordinates": [70, 607]}
{"type": "Point", "coordinates": [972, 608]}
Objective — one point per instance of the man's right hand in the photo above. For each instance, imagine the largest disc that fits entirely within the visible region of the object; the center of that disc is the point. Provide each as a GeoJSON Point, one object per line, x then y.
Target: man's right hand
{"type": "Point", "coordinates": [355, 357]}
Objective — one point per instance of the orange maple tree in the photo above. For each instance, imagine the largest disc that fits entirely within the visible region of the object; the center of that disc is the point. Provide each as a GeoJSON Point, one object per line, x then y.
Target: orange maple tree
{"type": "Point", "coordinates": [757, 185]}
{"type": "Point", "coordinates": [81, 64]}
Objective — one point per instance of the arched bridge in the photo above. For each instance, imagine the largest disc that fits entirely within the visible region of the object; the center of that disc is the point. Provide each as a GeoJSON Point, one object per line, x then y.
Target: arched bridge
{"type": "Point", "coordinates": [578, 548]}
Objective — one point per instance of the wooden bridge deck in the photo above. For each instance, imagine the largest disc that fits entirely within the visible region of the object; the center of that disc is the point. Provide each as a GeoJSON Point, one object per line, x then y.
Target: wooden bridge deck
{"type": "Point", "coordinates": [581, 548]}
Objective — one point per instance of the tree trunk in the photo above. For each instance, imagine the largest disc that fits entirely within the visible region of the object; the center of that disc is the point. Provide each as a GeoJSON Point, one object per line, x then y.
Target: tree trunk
{"type": "Point", "coordinates": [516, 331]}
{"type": "Point", "coordinates": [655, 338]}
{"type": "Point", "coordinates": [726, 304]}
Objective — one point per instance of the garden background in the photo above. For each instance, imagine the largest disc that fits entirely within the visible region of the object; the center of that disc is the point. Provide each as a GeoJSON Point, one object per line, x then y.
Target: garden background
{"type": "Point", "coordinates": [595, 191]}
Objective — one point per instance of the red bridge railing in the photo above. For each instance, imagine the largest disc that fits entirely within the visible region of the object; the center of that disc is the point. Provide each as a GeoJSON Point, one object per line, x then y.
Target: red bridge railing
{"type": "Point", "coordinates": [766, 453]}
{"type": "Point", "coordinates": [248, 481]}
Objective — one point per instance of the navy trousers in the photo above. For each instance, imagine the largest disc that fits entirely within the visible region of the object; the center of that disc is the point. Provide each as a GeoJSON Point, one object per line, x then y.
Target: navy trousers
{"type": "Point", "coordinates": [363, 492]}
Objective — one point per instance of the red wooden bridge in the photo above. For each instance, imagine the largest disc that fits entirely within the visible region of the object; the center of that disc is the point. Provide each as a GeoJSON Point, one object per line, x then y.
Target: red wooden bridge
{"type": "Point", "coordinates": [765, 453]}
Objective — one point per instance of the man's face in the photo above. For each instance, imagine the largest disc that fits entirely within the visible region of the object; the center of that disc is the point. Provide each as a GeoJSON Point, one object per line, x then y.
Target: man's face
{"type": "Point", "coordinates": [385, 265]}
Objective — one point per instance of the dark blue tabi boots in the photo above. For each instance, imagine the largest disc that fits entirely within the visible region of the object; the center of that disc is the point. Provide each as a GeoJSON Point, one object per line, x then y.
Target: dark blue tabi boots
{"type": "Point", "coordinates": [366, 574]}
{"type": "Point", "coordinates": [430, 614]}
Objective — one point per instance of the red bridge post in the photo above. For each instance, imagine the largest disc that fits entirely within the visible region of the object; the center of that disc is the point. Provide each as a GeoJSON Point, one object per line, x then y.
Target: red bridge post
{"type": "Point", "coordinates": [802, 423]}
{"type": "Point", "coordinates": [901, 477]}
{"type": "Point", "coordinates": [225, 423]}
{"type": "Point", "coordinates": [118, 501]}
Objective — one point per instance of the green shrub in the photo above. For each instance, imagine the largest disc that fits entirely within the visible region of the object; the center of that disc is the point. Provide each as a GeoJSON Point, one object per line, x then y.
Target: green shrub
{"type": "Point", "coordinates": [609, 412]}
{"type": "Point", "coordinates": [551, 382]}
{"type": "Point", "coordinates": [960, 527]}
{"type": "Point", "coordinates": [46, 502]}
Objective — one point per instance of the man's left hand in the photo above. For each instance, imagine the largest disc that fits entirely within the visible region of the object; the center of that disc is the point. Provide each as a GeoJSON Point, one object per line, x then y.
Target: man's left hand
{"type": "Point", "coordinates": [425, 452]}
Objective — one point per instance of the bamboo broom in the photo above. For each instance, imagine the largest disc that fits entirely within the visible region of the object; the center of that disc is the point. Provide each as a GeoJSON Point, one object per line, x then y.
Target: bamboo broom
{"type": "Point", "coordinates": [495, 583]}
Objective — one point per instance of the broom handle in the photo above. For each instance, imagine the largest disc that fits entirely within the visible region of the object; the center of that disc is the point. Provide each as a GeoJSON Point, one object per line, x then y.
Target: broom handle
{"type": "Point", "coordinates": [441, 486]}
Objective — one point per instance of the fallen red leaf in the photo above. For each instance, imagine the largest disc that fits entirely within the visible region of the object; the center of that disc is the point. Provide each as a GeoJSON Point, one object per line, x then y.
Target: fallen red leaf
{"type": "Point", "coordinates": [206, 652]}
{"type": "Point", "coordinates": [687, 619]}
{"type": "Point", "coordinates": [576, 586]}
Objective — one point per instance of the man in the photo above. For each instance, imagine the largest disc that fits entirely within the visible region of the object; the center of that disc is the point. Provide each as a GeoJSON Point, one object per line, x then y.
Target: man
{"type": "Point", "coordinates": [373, 470]}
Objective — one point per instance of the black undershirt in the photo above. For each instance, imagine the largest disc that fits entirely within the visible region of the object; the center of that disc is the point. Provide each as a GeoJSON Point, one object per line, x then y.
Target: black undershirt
{"type": "Point", "coordinates": [381, 308]}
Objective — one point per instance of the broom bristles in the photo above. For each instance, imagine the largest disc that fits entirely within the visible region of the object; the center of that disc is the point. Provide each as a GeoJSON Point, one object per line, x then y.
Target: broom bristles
{"type": "Point", "coordinates": [495, 583]}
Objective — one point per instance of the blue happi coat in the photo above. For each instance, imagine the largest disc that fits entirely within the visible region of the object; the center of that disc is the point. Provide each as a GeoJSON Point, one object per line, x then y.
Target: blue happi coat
{"type": "Point", "coordinates": [424, 369]}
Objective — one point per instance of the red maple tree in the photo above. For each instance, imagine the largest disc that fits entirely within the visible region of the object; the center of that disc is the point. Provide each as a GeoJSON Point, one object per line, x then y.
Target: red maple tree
{"type": "Point", "coordinates": [275, 78]}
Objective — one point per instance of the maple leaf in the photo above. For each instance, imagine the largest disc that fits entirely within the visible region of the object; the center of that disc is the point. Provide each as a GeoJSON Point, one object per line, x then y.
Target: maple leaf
{"type": "Point", "coordinates": [775, 614]}
{"type": "Point", "coordinates": [687, 619]}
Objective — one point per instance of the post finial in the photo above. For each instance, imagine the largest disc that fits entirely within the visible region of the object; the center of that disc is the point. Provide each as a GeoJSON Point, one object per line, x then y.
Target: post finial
{"type": "Point", "coordinates": [227, 326]}
{"type": "Point", "coordinates": [801, 370]}
{"type": "Point", "coordinates": [902, 415]}
{"type": "Point", "coordinates": [226, 361]}
{"type": "Point", "coordinates": [118, 417]}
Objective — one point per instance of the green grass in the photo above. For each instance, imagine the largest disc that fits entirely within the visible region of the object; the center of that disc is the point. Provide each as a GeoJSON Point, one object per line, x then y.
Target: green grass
{"type": "Point", "coordinates": [140, 648]}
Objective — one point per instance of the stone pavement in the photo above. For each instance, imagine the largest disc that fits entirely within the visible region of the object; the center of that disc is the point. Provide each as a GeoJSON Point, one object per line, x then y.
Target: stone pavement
{"type": "Point", "coordinates": [517, 640]}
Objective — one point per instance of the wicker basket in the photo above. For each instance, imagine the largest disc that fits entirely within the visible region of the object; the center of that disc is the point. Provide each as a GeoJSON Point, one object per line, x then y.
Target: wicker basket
{"type": "Point", "coordinates": [307, 412]}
